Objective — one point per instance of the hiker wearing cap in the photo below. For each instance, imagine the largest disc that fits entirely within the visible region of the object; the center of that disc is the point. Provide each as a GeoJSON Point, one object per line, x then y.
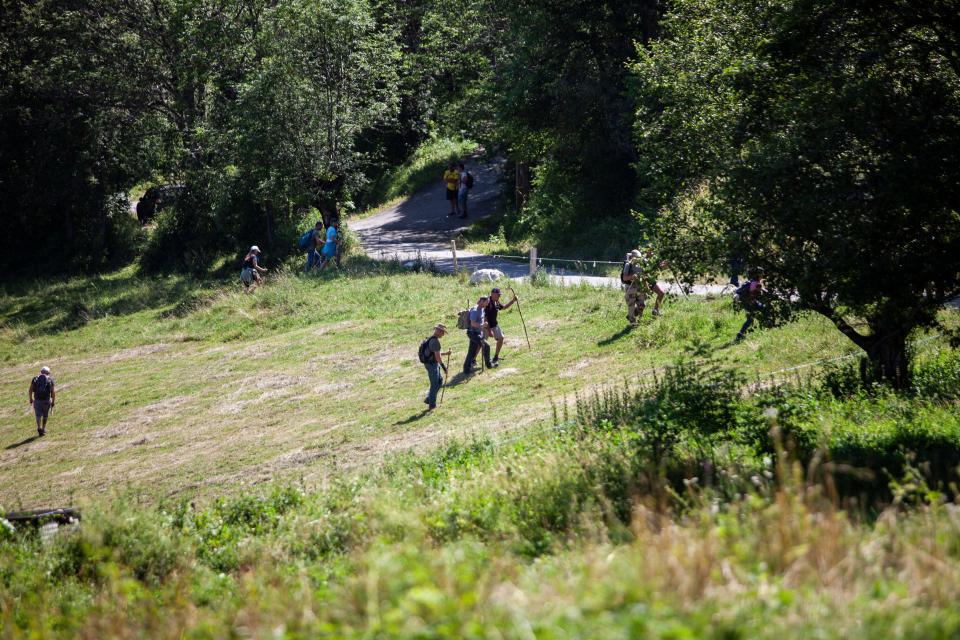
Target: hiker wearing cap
{"type": "Point", "coordinates": [639, 274]}
{"type": "Point", "coordinates": [630, 276]}
{"type": "Point", "coordinates": [250, 273]}
{"type": "Point", "coordinates": [43, 396]}
{"type": "Point", "coordinates": [493, 324]}
{"type": "Point", "coordinates": [477, 332]}
{"type": "Point", "coordinates": [432, 359]}
{"type": "Point", "coordinates": [329, 250]}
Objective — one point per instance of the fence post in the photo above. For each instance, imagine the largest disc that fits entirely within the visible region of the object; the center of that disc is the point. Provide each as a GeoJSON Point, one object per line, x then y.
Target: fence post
{"type": "Point", "coordinates": [453, 247]}
{"type": "Point", "coordinates": [533, 261]}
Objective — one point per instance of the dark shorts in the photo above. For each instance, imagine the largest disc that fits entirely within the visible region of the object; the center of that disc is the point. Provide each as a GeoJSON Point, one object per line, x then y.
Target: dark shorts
{"type": "Point", "coordinates": [41, 408]}
{"type": "Point", "coordinates": [451, 194]}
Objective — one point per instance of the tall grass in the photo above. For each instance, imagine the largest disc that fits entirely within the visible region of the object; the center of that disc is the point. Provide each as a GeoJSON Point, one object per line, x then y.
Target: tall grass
{"type": "Point", "coordinates": [576, 532]}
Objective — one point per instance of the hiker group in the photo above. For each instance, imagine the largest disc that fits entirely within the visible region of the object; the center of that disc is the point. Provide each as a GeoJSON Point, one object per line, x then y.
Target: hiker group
{"type": "Point", "coordinates": [321, 248]}
{"type": "Point", "coordinates": [480, 323]}
{"type": "Point", "coordinates": [458, 182]}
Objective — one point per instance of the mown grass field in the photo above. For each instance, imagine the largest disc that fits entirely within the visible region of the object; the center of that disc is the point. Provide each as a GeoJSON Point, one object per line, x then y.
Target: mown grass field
{"type": "Point", "coordinates": [173, 387]}
{"type": "Point", "coordinates": [261, 466]}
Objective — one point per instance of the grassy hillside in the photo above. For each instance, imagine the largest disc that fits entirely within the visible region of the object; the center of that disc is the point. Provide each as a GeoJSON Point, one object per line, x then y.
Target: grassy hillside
{"type": "Point", "coordinates": [261, 466]}
{"type": "Point", "coordinates": [169, 386]}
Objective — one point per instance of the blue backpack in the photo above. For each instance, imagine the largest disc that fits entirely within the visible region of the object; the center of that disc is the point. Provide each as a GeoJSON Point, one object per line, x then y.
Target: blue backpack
{"type": "Point", "coordinates": [306, 239]}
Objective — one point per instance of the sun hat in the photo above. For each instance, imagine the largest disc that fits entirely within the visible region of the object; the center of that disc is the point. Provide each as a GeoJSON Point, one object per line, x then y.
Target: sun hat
{"type": "Point", "coordinates": [635, 254]}
{"type": "Point", "coordinates": [44, 370]}
{"type": "Point", "coordinates": [255, 248]}
{"type": "Point", "coordinates": [441, 327]}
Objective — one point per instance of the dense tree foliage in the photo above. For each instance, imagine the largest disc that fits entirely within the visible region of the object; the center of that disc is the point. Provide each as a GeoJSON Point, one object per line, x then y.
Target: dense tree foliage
{"type": "Point", "coordinates": [813, 138]}
{"type": "Point", "coordinates": [820, 143]}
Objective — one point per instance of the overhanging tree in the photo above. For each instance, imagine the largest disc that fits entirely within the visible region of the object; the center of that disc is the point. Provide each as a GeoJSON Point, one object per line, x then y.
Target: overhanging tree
{"type": "Point", "coordinates": [836, 166]}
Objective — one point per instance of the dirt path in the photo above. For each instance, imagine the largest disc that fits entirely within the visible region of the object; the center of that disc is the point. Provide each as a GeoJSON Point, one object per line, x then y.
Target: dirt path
{"type": "Point", "coordinates": [420, 226]}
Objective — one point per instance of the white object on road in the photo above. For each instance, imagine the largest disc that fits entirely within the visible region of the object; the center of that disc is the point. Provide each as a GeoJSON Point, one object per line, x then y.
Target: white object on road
{"type": "Point", "coordinates": [486, 275]}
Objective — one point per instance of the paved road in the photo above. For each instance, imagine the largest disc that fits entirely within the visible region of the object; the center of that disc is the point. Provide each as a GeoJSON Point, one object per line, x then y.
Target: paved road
{"type": "Point", "coordinates": [420, 226]}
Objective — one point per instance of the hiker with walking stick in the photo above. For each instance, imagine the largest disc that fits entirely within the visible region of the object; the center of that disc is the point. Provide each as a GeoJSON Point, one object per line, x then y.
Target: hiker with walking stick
{"type": "Point", "coordinates": [431, 357]}
{"type": "Point", "coordinates": [477, 333]}
{"type": "Point", "coordinates": [493, 325]}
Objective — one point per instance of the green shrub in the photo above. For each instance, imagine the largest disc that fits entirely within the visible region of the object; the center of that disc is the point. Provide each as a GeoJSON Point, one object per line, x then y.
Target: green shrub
{"type": "Point", "coordinates": [938, 377]}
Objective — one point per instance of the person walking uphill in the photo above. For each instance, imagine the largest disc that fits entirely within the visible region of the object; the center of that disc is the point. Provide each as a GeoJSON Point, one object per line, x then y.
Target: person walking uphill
{"type": "Point", "coordinates": [476, 332]}
{"type": "Point", "coordinates": [494, 307]}
{"type": "Point", "coordinates": [432, 359]}
{"type": "Point", "coordinates": [311, 242]}
{"type": "Point", "coordinates": [749, 296]}
{"type": "Point", "coordinates": [250, 273]}
{"type": "Point", "coordinates": [451, 179]}
{"type": "Point", "coordinates": [42, 395]}
{"type": "Point", "coordinates": [329, 251]}
{"type": "Point", "coordinates": [463, 191]}
{"type": "Point", "coordinates": [639, 274]}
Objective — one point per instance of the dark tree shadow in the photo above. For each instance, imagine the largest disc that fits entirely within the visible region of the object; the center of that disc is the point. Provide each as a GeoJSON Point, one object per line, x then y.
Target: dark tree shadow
{"type": "Point", "coordinates": [620, 334]}
{"type": "Point", "coordinates": [21, 443]}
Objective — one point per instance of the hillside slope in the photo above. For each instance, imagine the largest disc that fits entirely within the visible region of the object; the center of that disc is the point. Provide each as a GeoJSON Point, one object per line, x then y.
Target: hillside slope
{"type": "Point", "coordinates": [175, 387]}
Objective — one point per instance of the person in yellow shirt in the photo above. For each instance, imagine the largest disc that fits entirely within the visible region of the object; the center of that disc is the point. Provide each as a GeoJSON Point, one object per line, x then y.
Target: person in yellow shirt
{"type": "Point", "coordinates": [451, 178]}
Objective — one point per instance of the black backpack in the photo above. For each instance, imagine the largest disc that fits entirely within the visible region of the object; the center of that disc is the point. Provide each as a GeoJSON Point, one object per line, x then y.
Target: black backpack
{"type": "Point", "coordinates": [623, 272]}
{"type": "Point", "coordinates": [423, 353]}
{"type": "Point", "coordinates": [41, 388]}
{"type": "Point", "coordinates": [469, 180]}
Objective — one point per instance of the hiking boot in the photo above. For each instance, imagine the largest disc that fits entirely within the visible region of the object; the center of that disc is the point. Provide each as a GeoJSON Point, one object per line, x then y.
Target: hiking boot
{"type": "Point", "coordinates": [738, 339]}
{"type": "Point", "coordinates": [493, 365]}
{"type": "Point", "coordinates": [452, 213]}
{"type": "Point", "coordinates": [41, 432]}
{"type": "Point", "coordinates": [496, 361]}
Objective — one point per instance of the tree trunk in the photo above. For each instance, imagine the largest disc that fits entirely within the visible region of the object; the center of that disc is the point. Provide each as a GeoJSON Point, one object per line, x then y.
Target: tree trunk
{"type": "Point", "coordinates": [523, 184]}
{"type": "Point", "coordinates": [889, 361]}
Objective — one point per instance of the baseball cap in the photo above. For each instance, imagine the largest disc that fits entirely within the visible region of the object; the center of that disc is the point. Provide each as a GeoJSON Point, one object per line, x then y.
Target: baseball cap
{"type": "Point", "coordinates": [44, 369]}
{"type": "Point", "coordinates": [494, 290]}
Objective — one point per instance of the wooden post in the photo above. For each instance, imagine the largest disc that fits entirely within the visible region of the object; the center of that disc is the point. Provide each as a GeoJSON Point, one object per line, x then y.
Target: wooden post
{"type": "Point", "coordinates": [533, 261]}
{"type": "Point", "coordinates": [453, 247]}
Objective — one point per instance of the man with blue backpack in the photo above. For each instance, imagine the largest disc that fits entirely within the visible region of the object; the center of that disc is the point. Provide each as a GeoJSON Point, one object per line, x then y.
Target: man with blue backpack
{"type": "Point", "coordinates": [311, 242]}
{"type": "Point", "coordinates": [42, 396]}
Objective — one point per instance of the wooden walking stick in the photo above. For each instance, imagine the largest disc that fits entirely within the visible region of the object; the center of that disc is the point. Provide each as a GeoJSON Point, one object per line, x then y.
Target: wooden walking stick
{"type": "Point", "coordinates": [521, 317]}
{"type": "Point", "coordinates": [446, 377]}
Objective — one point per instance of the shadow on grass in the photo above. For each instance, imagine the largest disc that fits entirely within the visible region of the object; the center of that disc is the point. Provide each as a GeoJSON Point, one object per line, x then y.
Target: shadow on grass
{"type": "Point", "coordinates": [17, 445]}
{"type": "Point", "coordinates": [413, 418]}
{"type": "Point", "coordinates": [50, 307]}
{"type": "Point", "coordinates": [617, 336]}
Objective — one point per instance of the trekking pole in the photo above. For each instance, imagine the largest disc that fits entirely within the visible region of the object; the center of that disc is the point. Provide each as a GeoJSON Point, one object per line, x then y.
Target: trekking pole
{"type": "Point", "coordinates": [677, 281]}
{"type": "Point", "coordinates": [521, 317]}
{"type": "Point", "coordinates": [443, 387]}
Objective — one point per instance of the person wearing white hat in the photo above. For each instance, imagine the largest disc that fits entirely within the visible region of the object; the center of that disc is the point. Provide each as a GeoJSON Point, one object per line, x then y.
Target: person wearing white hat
{"type": "Point", "coordinates": [250, 274]}
{"type": "Point", "coordinates": [42, 397]}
